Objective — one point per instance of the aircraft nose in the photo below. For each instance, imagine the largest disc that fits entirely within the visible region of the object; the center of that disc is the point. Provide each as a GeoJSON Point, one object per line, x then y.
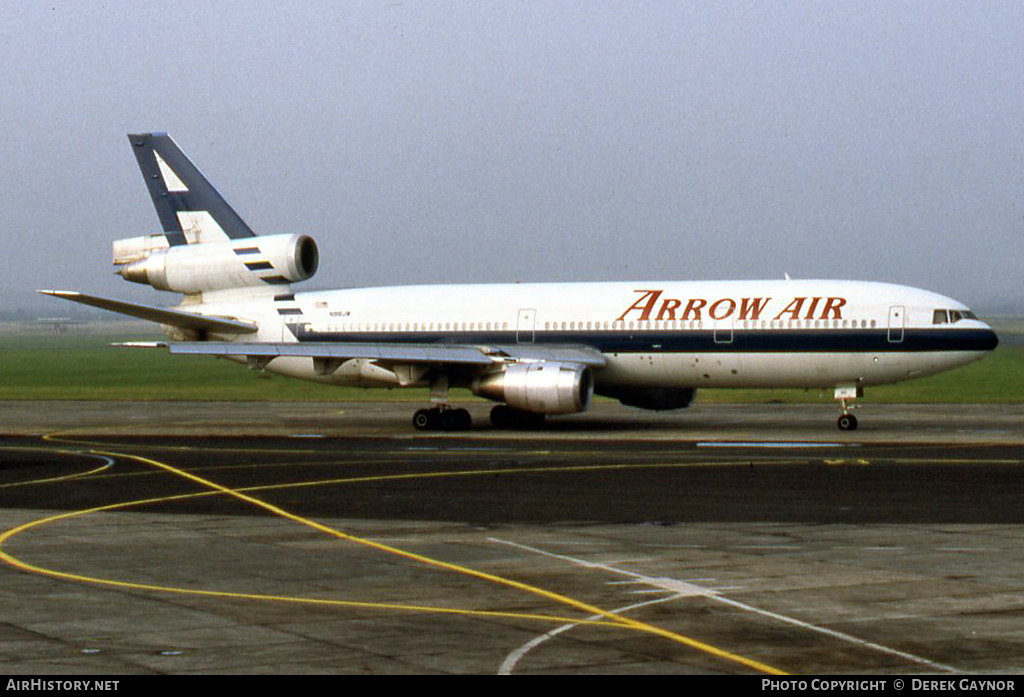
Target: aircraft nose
{"type": "Point", "coordinates": [984, 337]}
{"type": "Point", "coordinates": [991, 340]}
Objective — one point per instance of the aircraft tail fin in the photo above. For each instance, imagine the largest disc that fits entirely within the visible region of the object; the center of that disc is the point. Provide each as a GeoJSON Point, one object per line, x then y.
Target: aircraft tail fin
{"type": "Point", "coordinates": [190, 209]}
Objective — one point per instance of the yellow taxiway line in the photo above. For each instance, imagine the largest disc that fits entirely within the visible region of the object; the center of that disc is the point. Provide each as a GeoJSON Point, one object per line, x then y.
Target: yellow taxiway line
{"type": "Point", "coordinates": [609, 618]}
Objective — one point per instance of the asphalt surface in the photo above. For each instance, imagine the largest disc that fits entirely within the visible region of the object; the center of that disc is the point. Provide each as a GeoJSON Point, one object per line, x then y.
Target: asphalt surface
{"type": "Point", "coordinates": [741, 540]}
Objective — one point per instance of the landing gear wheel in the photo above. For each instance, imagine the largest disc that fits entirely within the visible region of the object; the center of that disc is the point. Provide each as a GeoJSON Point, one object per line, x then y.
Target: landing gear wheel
{"type": "Point", "coordinates": [463, 420]}
{"type": "Point", "coordinates": [847, 422]}
{"type": "Point", "coordinates": [441, 420]}
{"type": "Point", "coordinates": [423, 420]}
{"type": "Point", "coordinates": [449, 420]}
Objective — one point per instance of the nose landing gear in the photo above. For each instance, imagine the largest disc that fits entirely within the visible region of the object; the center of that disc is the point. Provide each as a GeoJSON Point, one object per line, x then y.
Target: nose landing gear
{"type": "Point", "coordinates": [845, 394]}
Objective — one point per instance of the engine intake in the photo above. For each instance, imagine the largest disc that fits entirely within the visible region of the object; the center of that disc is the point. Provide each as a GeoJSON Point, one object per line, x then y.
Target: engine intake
{"type": "Point", "coordinates": [543, 387]}
{"type": "Point", "coordinates": [194, 268]}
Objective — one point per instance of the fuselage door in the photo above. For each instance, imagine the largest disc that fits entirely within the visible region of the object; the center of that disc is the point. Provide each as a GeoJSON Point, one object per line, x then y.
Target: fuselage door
{"type": "Point", "coordinates": [723, 331]}
{"type": "Point", "coordinates": [897, 317]}
{"type": "Point", "coordinates": [525, 326]}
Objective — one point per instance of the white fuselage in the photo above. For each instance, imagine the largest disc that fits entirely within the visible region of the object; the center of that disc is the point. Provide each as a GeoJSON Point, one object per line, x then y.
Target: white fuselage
{"type": "Point", "coordinates": [787, 333]}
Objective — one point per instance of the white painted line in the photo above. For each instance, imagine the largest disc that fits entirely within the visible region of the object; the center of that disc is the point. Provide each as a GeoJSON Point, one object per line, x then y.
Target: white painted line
{"type": "Point", "coordinates": [680, 587]}
{"type": "Point", "coordinates": [685, 589]}
{"type": "Point", "coordinates": [509, 664]}
{"type": "Point", "coordinates": [965, 549]}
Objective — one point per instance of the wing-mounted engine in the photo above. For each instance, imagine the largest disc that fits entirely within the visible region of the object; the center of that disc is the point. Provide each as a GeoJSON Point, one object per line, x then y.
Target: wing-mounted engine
{"type": "Point", "coordinates": [239, 263]}
{"type": "Point", "coordinates": [541, 387]}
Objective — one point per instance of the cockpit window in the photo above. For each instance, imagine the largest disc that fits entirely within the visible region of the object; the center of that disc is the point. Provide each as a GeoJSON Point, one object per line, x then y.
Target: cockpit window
{"type": "Point", "coordinates": [951, 316]}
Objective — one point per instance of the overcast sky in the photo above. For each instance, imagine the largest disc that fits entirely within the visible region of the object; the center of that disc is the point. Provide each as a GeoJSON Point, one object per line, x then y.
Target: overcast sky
{"type": "Point", "coordinates": [533, 141]}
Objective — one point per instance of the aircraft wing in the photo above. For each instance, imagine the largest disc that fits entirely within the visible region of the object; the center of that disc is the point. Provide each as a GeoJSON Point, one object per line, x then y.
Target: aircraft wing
{"type": "Point", "coordinates": [405, 353]}
{"type": "Point", "coordinates": [419, 354]}
{"type": "Point", "coordinates": [174, 318]}
{"type": "Point", "coordinates": [584, 355]}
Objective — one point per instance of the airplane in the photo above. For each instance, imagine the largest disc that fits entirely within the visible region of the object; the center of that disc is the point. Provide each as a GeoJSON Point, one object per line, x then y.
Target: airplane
{"type": "Point", "coordinates": [537, 349]}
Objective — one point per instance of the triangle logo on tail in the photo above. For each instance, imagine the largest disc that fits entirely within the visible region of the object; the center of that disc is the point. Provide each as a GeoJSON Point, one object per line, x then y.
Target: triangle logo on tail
{"type": "Point", "coordinates": [171, 180]}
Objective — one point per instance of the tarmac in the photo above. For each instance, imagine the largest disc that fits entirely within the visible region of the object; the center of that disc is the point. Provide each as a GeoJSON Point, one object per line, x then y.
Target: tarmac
{"type": "Point", "coordinates": [226, 538]}
{"type": "Point", "coordinates": [879, 423]}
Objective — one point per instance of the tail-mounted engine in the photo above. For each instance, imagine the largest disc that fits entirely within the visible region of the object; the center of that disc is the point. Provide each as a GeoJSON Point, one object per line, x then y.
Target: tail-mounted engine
{"type": "Point", "coordinates": [238, 263]}
{"type": "Point", "coordinates": [543, 387]}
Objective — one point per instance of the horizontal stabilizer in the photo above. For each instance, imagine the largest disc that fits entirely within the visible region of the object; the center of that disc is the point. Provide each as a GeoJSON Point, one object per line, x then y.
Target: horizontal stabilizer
{"type": "Point", "coordinates": [140, 344]}
{"type": "Point", "coordinates": [174, 318]}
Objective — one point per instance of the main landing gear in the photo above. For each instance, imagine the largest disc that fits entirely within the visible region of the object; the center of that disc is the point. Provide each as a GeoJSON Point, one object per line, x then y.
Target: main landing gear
{"type": "Point", "coordinates": [845, 394]}
{"type": "Point", "coordinates": [442, 419]}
